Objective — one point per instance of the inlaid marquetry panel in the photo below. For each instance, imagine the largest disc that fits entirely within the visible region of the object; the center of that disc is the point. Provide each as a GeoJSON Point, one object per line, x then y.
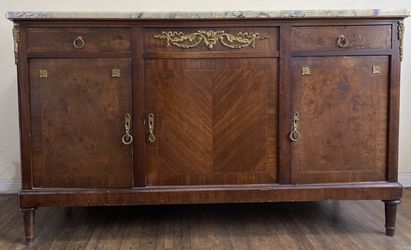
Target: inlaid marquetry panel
{"type": "Point", "coordinates": [343, 119]}
{"type": "Point", "coordinates": [215, 121]}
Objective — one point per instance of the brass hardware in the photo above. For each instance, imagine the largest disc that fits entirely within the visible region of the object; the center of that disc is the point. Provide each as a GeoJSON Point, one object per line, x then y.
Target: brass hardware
{"type": "Point", "coordinates": [401, 29]}
{"type": "Point", "coordinates": [115, 73]}
{"type": "Point", "coordinates": [127, 138]}
{"type": "Point", "coordinates": [342, 41]}
{"type": "Point", "coordinates": [151, 136]}
{"type": "Point", "coordinates": [376, 69]}
{"type": "Point", "coordinates": [210, 39]}
{"type": "Point", "coordinates": [43, 73]}
{"type": "Point", "coordinates": [295, 135]}
{"type": "Point", "coordinates": [305, 71]}
{"type": "Point", "coordinates": [79, 43]}
{"type": "Point", "coordinates": [16, 38]}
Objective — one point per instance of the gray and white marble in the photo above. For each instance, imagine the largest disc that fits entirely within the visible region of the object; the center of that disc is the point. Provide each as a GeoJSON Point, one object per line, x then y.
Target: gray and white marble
{"type": "Point", "coordinates": [14, 15]}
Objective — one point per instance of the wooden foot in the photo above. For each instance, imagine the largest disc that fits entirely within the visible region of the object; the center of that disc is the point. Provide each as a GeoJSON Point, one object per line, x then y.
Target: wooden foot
{"type": "Point", "coordinates": [390, 216]}
{"type": "Point", "coordinates": [28, 219]}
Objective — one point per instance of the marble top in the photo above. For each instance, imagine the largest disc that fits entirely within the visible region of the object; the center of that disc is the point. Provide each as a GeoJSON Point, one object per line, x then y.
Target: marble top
{"type": "Point", "coordinates": [14, 15]}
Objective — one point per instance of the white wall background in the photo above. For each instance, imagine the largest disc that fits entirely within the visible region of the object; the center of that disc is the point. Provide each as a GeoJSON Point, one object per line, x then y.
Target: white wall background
{"type": "Point", "coordinates": [9, 133]}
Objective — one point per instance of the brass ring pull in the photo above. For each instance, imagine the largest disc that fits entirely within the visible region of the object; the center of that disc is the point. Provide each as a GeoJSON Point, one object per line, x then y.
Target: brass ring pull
{"type": "Point", "coordinates": [342, 41]}
{"type": "Point", "coordinates": [295, 135]}
{"type": "Point", "coordinates": [151, 136]}
{"type": "Point", "coordinates": [78, 43]}
{"type": "Point", "coordinates": [127, 138]}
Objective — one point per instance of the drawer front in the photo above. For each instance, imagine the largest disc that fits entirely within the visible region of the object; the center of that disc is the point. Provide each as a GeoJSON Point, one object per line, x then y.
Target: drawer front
{"type": "Point", "coordinates": [341, 37]}
{"type": "Point", "coordinates": [78, 39]}
{"type": "Point", "coordinates": [211, 39]}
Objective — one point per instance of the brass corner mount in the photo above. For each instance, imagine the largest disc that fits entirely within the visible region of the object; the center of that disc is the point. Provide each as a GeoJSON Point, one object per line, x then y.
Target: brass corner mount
{"type": "Point", "coordinates": [16, 38]}
{"type": "Point", "coordinates": [401, 29]}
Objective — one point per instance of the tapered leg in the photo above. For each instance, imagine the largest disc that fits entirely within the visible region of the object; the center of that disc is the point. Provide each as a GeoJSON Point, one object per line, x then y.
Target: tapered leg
{"type": "Point", "coordinates": [390, 216]}
{"type": "Point", "coordinates": [28, 219]}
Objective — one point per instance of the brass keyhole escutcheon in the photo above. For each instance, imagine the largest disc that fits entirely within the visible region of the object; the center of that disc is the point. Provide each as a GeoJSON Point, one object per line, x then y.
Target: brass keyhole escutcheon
{"type": "Point", "coordinates": [295, 135]}
{"type": "Point", "coordinates": [151, 136]}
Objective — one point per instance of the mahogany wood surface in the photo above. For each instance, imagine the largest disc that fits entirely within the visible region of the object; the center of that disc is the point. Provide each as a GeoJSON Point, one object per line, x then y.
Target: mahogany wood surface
{"type": "Point", "coordinates": [222, 116]}
{"type": "Point", "coordinates": [200, 194]}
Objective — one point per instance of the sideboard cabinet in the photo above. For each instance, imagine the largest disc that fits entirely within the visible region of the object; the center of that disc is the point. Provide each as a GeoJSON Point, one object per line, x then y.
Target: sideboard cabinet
{"type": "Point", "coordinates": [130, 111]}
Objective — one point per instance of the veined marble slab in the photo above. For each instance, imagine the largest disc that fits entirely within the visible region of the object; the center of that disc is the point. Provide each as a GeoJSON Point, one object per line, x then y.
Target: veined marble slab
{"type": "Point", "coordinates": [12, 15]}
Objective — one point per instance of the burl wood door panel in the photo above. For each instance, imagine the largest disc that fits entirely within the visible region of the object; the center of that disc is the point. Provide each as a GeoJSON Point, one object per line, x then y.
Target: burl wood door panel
{"type": "Point", "coordinates": [215, 121]}
{"type": "Point", "coordinates": [78, 121]}
{"type": "Point", "coordinates": [343, 119]}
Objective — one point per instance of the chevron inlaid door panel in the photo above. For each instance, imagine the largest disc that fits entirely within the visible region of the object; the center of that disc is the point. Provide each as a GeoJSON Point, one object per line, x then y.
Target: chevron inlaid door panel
{"type": "Point", "coordinates": [215, 121]}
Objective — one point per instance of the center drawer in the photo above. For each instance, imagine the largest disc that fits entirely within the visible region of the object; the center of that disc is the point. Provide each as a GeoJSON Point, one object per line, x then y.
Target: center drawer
{"type": "Point", "coordinates": [341, 37]}
{"type": "Point", "coordinates": [78, 39]}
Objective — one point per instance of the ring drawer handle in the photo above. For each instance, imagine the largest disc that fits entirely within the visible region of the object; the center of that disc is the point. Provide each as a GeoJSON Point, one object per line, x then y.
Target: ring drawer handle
{"type": "Point", "coordinates": [78, 43]}
{"type": "Point", "coordinates": [127, 137]}
{"type": "Point", "coordinates": [342, 41]}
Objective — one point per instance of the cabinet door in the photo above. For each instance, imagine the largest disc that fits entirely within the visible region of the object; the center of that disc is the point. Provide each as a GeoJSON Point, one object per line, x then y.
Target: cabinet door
{"type": "Point", "coordinates": [78, 111]}
{"type": "Point", "coordinates": [343, 119]}
{"type": "Point", "coordinates": [214, 121]}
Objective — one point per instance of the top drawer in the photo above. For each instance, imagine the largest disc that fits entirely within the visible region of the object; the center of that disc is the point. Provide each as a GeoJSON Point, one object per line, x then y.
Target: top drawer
{"type": "Point", "coordinates": [341, 37]}
{"type": "Point", "coordinates": [207, 39]}
{"type": "Point", "coordinates": [78, 39]}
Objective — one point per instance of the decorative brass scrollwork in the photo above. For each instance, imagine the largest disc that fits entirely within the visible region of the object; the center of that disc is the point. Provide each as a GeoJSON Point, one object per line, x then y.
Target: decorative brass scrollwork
{"type": "Point", "coordinates": [210, 39]}
{"type": "Point", "coordinates": [127, 137]}
{"type": "Point", "coordinates": [295, 135]}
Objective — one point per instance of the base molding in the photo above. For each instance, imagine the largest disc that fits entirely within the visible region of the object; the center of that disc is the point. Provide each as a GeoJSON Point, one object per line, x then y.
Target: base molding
{"type": "Point", "coordinates": [209, 194]}
{"type": "Point", "coordinates": [13, 186]}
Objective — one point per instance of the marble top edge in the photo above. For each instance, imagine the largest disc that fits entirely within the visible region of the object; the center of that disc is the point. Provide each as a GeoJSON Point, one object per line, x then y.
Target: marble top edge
{"type": "Point", "coordinates": [14, 15]}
